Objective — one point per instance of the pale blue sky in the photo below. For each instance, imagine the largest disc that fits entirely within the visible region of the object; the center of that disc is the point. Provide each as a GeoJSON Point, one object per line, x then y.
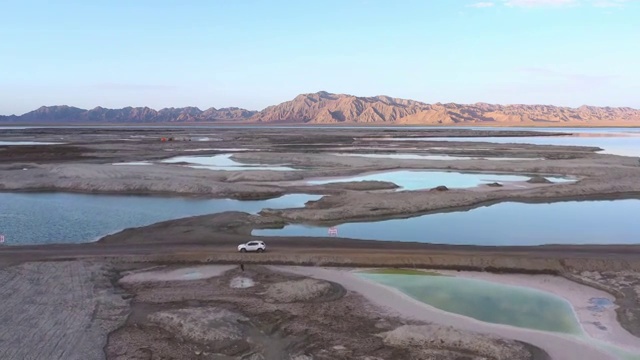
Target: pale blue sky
{"type": "Point", "coordinates": [253, 53]}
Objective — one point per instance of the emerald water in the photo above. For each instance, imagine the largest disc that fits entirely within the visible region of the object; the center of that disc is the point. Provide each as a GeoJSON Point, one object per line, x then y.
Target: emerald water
{"type": "Point", "coordinates": [487, 301]}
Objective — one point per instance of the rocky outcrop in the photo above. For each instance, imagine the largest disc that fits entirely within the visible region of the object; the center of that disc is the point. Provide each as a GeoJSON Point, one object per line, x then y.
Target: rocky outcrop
{"type": "Point", "coordinates": [205, 325]}
{"type": "Point", "coordinates": [539, 180]}
{"type": "Point", "coordinates": [446, 339]}
{"type": "Point", "coordinates": [297, 290]}
{"type": "Point", "coordinates": [327, 108]}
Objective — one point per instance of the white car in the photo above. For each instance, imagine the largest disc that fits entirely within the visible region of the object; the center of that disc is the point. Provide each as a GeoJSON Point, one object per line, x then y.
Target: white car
{"type": "Point", "coordinates": [258, 246]}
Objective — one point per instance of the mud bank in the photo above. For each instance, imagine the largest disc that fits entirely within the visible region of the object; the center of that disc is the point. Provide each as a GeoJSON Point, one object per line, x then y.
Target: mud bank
{"type": "Point", "coordinates": [282, 316]}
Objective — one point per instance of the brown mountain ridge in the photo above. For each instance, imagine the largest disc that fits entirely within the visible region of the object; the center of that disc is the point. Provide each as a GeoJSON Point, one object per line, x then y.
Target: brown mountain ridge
{"type": "Point", "coordinates": [327, 108]}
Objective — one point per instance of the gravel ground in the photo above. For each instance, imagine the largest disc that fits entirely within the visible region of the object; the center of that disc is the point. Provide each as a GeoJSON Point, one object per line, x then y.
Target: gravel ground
{"type": "Point", "coordinates": [57, 310]}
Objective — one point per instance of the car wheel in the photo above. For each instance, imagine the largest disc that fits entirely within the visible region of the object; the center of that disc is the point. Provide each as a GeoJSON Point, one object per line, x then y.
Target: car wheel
{"type": "Point", "coordinates": [260, 250]}
{"type": "Point", "coordinates": [243, 250]}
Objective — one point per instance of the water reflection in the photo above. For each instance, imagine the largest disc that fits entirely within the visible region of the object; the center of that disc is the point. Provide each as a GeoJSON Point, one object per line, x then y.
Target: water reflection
{"type": "Point", "coordinates": [573, 222]}
{"type": "Point", "coordinates": [627, 145]}
{"type": "Point", "coordinates": [420, 179]}
{"type": "Point", "coordinates": [72, 218]}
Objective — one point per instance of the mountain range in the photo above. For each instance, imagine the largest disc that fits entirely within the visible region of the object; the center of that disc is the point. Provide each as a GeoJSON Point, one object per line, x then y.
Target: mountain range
{"type": "Point", "coordinates": [70, 114]}
{"type": "Point", "coordinates": [327, 108]}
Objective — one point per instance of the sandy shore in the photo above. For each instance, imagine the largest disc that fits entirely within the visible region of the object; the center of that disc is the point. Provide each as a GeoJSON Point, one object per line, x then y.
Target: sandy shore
{"type": "Point", "coordinates": [558, 346]}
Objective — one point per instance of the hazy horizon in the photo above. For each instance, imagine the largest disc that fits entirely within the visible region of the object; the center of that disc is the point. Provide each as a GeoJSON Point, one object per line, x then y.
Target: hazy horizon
{"type": "Point", "coordinates": [252, 55]}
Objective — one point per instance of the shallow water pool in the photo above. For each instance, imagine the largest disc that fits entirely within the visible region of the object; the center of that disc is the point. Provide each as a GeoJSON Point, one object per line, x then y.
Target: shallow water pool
{"type": "Point", "coordinates": [496, 303]}
{"type": "Point", "coordinates": [421, 179]}
{"type": "Point", "coordinates": [22, 143]}
{"type": "Point", "coordinates": [624, 144]}
{"type": "Point", "coordinates": [487, 301]}
{"type": "Point", "coordinates": [133, 163]}
{"type": "Point", "coordinates": [223, 162]}
{"type": "Point", "coordinates": [432, 157]}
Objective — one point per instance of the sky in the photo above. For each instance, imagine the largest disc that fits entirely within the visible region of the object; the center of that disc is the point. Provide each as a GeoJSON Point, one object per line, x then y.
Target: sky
{"type": "Point", "coordinates": [255, 53]}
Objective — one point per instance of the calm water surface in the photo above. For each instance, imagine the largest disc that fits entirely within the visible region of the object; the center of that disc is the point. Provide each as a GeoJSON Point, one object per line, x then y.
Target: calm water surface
{"type": "Point", "coordinates": [223, 162]}
{"type": "Point", "coordinates": [418, 180]}
{"type": "Point", "coordinates": [18, 143]}
{"type": "Point", "coordinates": [499, 304]}
{"type": "Point", "coordinates": [510, 223]}
{"type": "Point", "coordinates": [432, 157]}
{"type": "Point", "coordinates": [487, 301]}
{"type": "Point", "coordinates": [73, 218]}
{"type": "Point", "coordinates": [625, 144]}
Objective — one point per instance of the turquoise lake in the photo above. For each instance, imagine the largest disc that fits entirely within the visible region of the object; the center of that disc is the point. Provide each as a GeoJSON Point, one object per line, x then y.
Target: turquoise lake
{"type": "Point", "coordinates": [496, 303]}
{"type": "Point", "coordinates": [487, 301]}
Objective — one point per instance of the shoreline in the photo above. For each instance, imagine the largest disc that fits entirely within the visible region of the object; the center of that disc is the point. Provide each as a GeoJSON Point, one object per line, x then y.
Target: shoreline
{"type": "Point", "coordinates": [394, 302]}
{"type": "Point", "coordinates": [623, 195]}
{"type": "Point", "coordinates": [577, 295]}
{"type": "Point", "coordinates": [328, 193]}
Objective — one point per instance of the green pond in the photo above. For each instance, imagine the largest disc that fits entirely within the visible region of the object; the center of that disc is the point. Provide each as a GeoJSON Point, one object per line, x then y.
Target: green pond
{"type": "Point", "coordinates": [486, 301]}
{"type": "Point", "coordinates": [395, 271]}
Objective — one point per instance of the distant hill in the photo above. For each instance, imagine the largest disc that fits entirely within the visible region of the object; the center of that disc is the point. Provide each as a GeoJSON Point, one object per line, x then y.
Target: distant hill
{"type": "Point", "coordinates": [326, 108]}
{"type": "Point", "coordinates": [69, 114]}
